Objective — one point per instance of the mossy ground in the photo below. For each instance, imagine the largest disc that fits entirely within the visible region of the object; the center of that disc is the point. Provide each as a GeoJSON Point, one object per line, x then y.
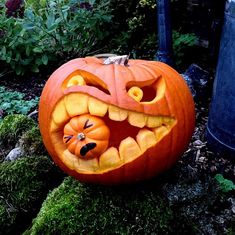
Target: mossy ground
{"type": "Point", "coordinates": [11, 129]}
{"type": "Point", "coordinates": [24, 185]}
{"type": "Point", "coordinates": [75, 208]}
{"type": "Point", "coordinates": [31, 142]}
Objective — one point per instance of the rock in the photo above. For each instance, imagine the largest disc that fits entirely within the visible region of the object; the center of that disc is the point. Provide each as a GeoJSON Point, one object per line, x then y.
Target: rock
{"type": "Point", "coordinates": [197, 79]}
{"type": "Point", "coordinates": [14, 154]}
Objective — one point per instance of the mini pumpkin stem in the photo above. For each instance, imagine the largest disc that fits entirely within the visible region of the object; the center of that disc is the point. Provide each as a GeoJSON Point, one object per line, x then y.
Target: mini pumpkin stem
{"type": "Point", "coordinates": [81, 136]}
{"type": "Point", "coordinates": [121, 59]}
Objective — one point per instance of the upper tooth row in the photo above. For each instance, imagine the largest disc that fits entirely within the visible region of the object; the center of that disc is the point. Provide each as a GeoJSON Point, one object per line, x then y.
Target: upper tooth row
{"type": "Point", "coordinates": [76, 104]}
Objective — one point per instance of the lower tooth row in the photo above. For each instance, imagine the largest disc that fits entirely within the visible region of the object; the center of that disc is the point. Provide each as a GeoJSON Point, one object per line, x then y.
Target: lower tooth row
{"type": "Point", "coordinates": [128, 150]}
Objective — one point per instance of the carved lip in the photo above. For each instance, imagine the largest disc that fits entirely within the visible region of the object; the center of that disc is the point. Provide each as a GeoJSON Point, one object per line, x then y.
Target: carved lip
{"type": "Point", "coordinates": [148, 130]}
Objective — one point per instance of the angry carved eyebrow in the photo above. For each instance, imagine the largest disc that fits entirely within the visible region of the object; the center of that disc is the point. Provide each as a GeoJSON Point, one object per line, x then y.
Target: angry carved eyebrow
{"type": "Point", "coordinates": [68, 138]}
{"type": "Point", "coordinates": [86, 125]}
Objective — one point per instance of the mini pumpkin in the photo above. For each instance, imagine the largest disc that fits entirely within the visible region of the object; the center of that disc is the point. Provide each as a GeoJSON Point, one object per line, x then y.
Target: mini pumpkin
{"type": "Point", "coordinates": [114, 123]}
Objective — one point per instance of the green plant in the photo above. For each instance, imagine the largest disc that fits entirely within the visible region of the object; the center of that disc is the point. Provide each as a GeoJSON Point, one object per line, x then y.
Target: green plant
{"type": "Point", "coordinates": [12, 102]}
{"type": "Point", "coordinates": [225, 184]}
{"type": "Point", "coordinates": [24, 185]}
{"type": "Point", "coordinates": [182, 42]}
{"type": "Point", "coordinates": [75, 208]}
{"type": "Point", "coordinates": [36, 4]}
{"type": "Point", "coordinates": [133, 28]}
{"type": "Point", "coordinates": [60, 30]}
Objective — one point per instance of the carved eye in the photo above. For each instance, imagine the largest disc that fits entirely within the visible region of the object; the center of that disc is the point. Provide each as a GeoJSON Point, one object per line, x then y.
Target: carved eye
{"type": "Point", "coordinates": [76, 80]}
{"type": "Point", "coordinates": [136, 93]}
{"type": "Point", "coordinates": [146, 92]}
{"type": "Point", "coordinates": [83, 78]}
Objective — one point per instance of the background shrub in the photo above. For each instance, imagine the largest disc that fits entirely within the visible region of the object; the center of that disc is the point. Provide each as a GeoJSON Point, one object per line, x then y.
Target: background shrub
{"type": "Point", "coordinates": [54, 31]}
{"type": "Point", "coordinates": [59, 31]}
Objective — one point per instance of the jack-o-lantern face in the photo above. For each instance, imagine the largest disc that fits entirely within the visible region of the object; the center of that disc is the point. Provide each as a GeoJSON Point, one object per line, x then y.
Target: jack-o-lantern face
{"type": "Point", "coordinates": [111, 123]}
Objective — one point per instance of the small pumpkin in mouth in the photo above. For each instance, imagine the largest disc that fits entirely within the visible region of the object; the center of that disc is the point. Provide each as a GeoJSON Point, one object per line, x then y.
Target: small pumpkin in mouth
{"type": "Point", "coordinates": [111, 122]}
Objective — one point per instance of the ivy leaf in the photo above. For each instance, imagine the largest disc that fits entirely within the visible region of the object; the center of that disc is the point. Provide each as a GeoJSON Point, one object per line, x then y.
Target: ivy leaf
{"type": "Point", "coordinates": [37, 50]}
{"type": "Point", "coordinates": [44, 59]}
{"type": "Point", "coordinates": [28, 26]}
{"type": "Point", "coordinates": [29, 14]}
{"type": "Point", "coordinates": [50, 20]}
{"type": "Point", "coordinates": [24, 110]}
{"type": "Point", "coordinates": [6, 106]}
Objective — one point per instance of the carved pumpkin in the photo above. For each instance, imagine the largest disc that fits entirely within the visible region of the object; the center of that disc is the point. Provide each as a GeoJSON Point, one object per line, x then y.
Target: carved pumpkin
{"type": "Point", "coordinates": [115, 123]}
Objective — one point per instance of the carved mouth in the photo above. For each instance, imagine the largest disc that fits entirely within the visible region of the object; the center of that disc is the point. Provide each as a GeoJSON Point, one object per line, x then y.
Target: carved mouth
{"type": "Point", "coordinates": [131, 133]}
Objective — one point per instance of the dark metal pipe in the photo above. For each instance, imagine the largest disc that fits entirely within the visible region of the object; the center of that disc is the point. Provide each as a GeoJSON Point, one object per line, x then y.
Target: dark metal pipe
{"type": "Point", "coordinates": [164, 52]}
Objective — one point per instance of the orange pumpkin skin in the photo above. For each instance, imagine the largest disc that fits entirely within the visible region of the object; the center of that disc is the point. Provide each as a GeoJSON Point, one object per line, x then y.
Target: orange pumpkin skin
{"type": "Point", "coordinates": [130, 152]}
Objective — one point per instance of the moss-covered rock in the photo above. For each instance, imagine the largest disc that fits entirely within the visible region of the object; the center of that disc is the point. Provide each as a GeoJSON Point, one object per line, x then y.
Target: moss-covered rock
{"type": "Point", "coordinates": [24, 184]}
{"type": "Point", "coordinates": [11, 129]}
{"type": "Point", "coordinates": [31, 142]}
{"type": "Point", "coordinates": [75, 208]}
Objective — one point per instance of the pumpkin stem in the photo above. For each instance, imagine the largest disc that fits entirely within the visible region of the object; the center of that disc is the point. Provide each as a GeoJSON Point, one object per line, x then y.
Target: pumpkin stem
{"type": "Point", "coordinates": [121, 59]}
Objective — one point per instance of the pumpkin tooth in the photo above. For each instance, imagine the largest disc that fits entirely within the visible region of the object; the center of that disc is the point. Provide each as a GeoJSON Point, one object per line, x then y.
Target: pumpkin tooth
{"type": "Point", "coordinates": [76, 104]}
{"type": "Point", "coordinates": [60, 114]}
{"type": "Point", "coordinates": [87, 165]}
{"type": "Point", "coordinates": [169, 122]}
{"type": "Point", "coordinates": [97, 107]}
{"type": "Point", "coordinates": [117, 114]}
{"type": "Point", "coordinates": [70, 160]}
{"type": "Point", "coordinates": [54, 127]}
{"type": "Point", "coordinates": [129, 149]}
{"type": "Point", "coordinates": [160, 132]}
{"type": "Point", "coordinates": [146, 139]}
{"type": "Point", "coordinates": [137, 119]}
{"type": "Point", "coordinates": [109, 158]}
{"type": "Point", "coordinates": [153, 122]}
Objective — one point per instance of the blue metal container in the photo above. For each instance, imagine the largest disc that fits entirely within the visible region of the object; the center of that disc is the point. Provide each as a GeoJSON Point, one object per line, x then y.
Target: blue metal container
{"type": "Point", "coordinates": [164, 53]}
{"type": "Point", "coordinates": [221, 121]}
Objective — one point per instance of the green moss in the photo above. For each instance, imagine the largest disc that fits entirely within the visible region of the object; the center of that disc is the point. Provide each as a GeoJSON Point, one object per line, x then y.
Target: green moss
{"type": "Point", "coordinates": [31, 142]}
{"type": "Point", "coordinates": [75, 208]}
{"type": "Point", "coordinates": [24, 184]}
{"type": "Point", "coordinates": [7, 216]}
{"type": "Point", "coordinates": [11, 128]}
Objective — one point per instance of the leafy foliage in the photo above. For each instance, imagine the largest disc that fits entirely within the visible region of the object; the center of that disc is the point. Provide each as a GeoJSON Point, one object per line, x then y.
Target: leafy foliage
{"type": "Point", "coordinates": [12, 102]}
{"type": "Point", "coordinates": [61, 30]}
{"type": "Point", "coordinates": [224, 184]}
{"type": "Point", "coordinates": [182, 43]}
{"type": "Point", "coordinates": [133, 28]}
{"type": "Point", "coordinates": [75, 208]}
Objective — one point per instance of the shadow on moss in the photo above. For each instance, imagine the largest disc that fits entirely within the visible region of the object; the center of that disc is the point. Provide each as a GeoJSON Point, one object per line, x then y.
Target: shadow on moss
{"type": "Point", "coordinates": [24, 185]}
